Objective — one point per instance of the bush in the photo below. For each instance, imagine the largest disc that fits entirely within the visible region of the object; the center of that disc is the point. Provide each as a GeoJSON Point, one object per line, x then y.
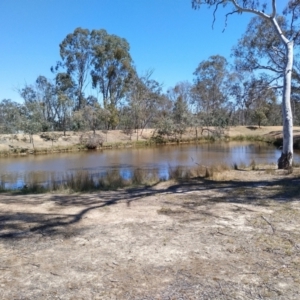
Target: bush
{"type": "Point", "coordinates": [50, 136]}
{"type": "Point", "coordinates": [91, 140]}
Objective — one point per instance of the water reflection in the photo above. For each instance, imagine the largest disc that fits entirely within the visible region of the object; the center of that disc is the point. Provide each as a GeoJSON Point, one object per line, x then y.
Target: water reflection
{"type": "Point", "coordinates": [17, 171]}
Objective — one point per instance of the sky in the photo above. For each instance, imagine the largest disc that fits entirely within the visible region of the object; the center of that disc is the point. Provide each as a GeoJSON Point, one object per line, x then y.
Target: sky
{"type": "Point", "coordinates": [166, 36]}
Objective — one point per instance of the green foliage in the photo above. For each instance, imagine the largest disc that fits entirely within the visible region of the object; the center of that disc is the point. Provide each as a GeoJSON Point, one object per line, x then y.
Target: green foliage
{"type": "Point", "coordinates": [112, 117]}
{"type": "Point", "coordinates": [181, 115]}
{"type": "Point", "coordinates": [76, 54]}
{"type": "Point", "coordinates": [209, 92]}
{"type": "Point", "coordinates": [218, 97]}
{"type": "Point", "coordinates": [112, 66]}
{"type": "Point", "coordinates": [260, 117]}
{"type": "Point", "coordinates": [165, 128]}
{"type": "Point", "coordinates": [145, 102]}
{"type": "Point", "coordinates": [32, 120]}
{"type": "Point", "coordinates": [10, 116]}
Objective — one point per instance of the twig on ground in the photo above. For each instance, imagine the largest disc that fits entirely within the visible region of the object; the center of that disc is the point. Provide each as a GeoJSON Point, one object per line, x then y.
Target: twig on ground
{"type": "Point", "coordinates": [273, 229]}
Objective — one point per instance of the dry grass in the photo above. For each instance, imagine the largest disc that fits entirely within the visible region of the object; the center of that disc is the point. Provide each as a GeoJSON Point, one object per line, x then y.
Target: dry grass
{"type": "Point", "coordinates": [45, 143]}
{"type": "Point", "coordinates": [84, 181]}
{"type": "Point", "coordinates": [195, 239]}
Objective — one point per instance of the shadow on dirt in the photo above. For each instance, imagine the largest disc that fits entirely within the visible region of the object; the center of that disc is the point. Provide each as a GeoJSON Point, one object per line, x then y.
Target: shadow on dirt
{"type": "Point", "coordinates": [22, 224]}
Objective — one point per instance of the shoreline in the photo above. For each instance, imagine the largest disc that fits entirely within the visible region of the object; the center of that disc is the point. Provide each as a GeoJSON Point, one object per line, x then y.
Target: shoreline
{"type": "Point", "coordinates": [239, 236]}
{"type": "Point", "coordinates": [56, 142]}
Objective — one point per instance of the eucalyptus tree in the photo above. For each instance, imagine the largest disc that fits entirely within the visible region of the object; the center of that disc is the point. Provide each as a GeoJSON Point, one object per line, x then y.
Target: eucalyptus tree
{"type": "Point", "coordinates": [255, 101]}
{"type": "Point", "coordinates": [46, 96]}
{"type": "Point", "coordinates": [181, 115]}
{"type": "Point", "coordinates": [32, 113]}
{"type": "Point", "coordinates": [112, 67]}
{"type": "Point", "coordinates": [295, 98]}
{"type": "Point", "coordinates": [256, 52]}
{"type": "Point", "coordinates": [286, 39]}
{"type": "Point", "coordinates": [10, 116]}
{"type": "Point", "coordinates": [133, 114]}
{"type": "Point", "coordinates": [259, 99]}
{"type": "Point", "coordinates": [209, 92]}
{"type": "Point", "coordinates": [144, 100]}
{"type": "Point", "coordinates": [94, 115]}
{"type": "Point", "coordinates": [76, 55]}
{"type": "Point", "coordinates": [65, 90]}
{"type": "Point", "coordinates": [35, 117]}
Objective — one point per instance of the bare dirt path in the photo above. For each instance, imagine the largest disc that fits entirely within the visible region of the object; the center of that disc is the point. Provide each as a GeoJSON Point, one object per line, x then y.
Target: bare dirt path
{"type": "Point", "coordinates": [202, 239]}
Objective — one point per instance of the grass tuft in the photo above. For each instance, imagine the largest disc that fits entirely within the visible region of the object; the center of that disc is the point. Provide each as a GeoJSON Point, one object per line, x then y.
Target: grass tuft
{"type": "Point", "coordinates": [2, 184]}
{"type": "Point", "coordinates": [179, 173]}
{"type": "Point", "coordinates": [144, 177]}
{"type": "Point", "coordinates": [83, 181]}
{"type": "Point", "coordinates": [253, 165]}
{"type": "Point", "coordinates": [112, 181]}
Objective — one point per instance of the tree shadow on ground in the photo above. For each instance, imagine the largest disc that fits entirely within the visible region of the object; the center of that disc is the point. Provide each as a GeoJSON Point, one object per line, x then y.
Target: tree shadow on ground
{"type": "Point", "coordinates": [247, 192]}
{"type": "Point", "coordinates": [22, 224]}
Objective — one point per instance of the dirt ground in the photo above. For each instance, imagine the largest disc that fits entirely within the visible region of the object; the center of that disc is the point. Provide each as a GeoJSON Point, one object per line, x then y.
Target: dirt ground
{"type": "Point", "coordinates": [11, 142]}
{"type": "Point", "coordinates": [237, 237]}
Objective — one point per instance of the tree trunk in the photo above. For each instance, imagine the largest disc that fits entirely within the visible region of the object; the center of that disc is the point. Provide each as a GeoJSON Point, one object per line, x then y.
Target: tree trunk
{"type": "Point", "coordinates": [32, 140]}
{"type": "Point", "coordinates": [286, 159]}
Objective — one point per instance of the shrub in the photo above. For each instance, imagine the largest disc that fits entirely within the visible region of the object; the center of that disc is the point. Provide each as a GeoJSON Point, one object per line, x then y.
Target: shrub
{"type": "Point", "coordinates": [91, 140]}
{"type": "Point", "coordinates": [179, 173]}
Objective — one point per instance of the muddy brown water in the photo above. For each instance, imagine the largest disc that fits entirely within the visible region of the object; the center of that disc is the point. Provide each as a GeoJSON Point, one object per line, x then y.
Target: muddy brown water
{"type": "Point", "coordinates": [17, 171]}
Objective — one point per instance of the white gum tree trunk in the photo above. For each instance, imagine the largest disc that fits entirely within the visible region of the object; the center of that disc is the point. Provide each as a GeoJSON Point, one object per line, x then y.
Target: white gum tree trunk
{"type": "Point", "coordinates": [251, 6]}
{"type": "Point", "coordinates": [286, 159]}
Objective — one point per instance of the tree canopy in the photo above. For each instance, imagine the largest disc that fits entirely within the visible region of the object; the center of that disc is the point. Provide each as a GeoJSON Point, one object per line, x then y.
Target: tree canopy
{"type": "Point", "coordinates": [279, 50]}
{"type": "Point", "coordinates": [96, 86]}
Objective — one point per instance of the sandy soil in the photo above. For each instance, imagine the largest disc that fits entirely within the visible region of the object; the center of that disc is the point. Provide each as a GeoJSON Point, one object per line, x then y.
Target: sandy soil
{"type": "Point", "coordinates": [11, 142]}
{"type": "Point", "coordinates": [235, 238]}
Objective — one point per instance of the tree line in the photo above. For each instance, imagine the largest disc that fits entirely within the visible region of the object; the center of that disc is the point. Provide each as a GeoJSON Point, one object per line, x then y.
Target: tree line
{"type": "Point", "coordinates": [245, 92]}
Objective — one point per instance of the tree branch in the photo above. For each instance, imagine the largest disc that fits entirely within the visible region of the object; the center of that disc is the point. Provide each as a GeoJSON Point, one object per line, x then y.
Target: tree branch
{"type": "Point", "coordinates": [279, 31]}
{"type": "Point", "coordinates": [274, 60]}
{"type": "Point", "coordinates": [226, 17]}
{"type": "Point", "coordinates": [274, 79]}
{"type": "Point", "coordinates": [258, 66]}
{"type": "Point", "coordinates": [279, 52]}
{"type": "Point", "coordinates": [273, 15]}
{"type": "Point", "coordinates": [214, 14]}
{"type": "Point", "coordinates": [251, 10]}
{"type": "Point", "coordinates": [296, 36]}
{"type": "Point", "coordinates": [293, 16]}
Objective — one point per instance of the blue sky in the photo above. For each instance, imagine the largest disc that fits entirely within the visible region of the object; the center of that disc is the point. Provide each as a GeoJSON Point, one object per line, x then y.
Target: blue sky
{"type": "Point", "coordinates": [167, 36]}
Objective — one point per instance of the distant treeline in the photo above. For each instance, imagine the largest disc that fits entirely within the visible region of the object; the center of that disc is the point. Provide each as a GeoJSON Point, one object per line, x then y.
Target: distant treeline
{"type": "Point", "coordinates": [220, 95]}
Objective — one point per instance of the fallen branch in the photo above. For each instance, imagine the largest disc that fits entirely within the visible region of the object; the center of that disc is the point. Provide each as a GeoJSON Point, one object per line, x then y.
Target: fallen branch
{"type": "Point", "coordinates": [273, 229]}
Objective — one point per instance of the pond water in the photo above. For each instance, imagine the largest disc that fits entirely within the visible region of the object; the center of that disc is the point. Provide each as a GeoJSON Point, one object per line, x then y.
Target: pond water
{"type": "Point", "coordinates": [17, 171]}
